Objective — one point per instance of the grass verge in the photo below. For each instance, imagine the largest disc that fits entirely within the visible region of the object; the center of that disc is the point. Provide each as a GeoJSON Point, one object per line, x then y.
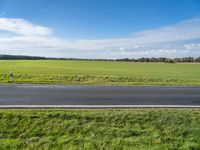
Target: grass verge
{"type": "Point", "coordinates": [100, 129]}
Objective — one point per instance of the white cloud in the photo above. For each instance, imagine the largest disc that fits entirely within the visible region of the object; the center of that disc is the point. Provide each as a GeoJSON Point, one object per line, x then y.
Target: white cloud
{"type": "Point", "coordinates": [192, 46]}
{"type": "Point", "coordinates": [181, 39]}
{"type": "Point", "coordinates": [184, 30]}
{"type": "Point", "coordinates": [23, 27]}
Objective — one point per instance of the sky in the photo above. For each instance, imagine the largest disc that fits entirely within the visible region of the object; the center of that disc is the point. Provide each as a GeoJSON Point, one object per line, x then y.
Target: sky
{"type": "Point", "coordinates": [103, 29]}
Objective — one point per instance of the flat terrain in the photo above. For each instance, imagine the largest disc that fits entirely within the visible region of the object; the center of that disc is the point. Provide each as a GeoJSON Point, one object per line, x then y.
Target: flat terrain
{"type": "Point", "coordinates": [100, 129]}
{"type": "Point", "coordinates": [99, 73]}
{"type": "Point", "coordinates": [98, 95]}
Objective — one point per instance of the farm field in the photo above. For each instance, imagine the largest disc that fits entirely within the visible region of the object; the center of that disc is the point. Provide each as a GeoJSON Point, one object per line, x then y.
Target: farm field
{"type": "Point", "coordinates": [98, 72]}
{"type": "Point", "coordinates": [100, 129]}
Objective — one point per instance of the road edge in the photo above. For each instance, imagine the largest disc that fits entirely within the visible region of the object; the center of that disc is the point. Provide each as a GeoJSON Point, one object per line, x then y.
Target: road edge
{"type": "Point", "coordinates": [94, 106]}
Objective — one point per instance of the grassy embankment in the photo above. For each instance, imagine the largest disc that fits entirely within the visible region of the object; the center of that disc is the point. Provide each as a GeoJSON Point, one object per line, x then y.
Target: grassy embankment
{"type": "Point", "coordinates": [100, 129]}
{"type": "Point", "coordinates": [96, 72]}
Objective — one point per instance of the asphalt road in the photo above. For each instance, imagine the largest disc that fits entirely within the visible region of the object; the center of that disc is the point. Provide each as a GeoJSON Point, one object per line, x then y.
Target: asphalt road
{"type": "Point", "coordinates": [98, 95]}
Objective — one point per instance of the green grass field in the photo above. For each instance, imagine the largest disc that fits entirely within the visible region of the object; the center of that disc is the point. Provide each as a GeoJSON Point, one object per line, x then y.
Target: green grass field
{"type": "Point", "coordinates": [139, 129]}
{"type": "Point", "coordinates": [97, 72]}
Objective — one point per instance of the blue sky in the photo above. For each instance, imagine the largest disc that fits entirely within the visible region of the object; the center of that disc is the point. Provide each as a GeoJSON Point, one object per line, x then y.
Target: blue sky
{"type": "Point", "coordinates": [100, 28]}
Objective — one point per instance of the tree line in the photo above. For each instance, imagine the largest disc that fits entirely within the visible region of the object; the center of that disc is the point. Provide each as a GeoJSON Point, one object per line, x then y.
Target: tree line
{"type": "Point", "coordinates": [152, 59]}
{"type": "Point", "coordinates": [162, 59]}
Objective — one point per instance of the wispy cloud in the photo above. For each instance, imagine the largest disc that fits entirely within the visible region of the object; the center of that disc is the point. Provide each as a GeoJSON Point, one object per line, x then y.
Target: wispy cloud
{"type": "Point", "coordinates": [23, 27]}
{"type": "Point", "coordinates": [181, 39]}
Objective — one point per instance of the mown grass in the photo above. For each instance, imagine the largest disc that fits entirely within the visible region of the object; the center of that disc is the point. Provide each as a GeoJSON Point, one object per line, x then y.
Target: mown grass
{"type": "Point", "coordinates": [98, 72]}
{"type": "Point", "coordinates": [100, 129]}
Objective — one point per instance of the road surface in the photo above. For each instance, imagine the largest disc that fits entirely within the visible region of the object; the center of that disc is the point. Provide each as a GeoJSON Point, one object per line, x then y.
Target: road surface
{"type": "Point", "coordinates": [64, 95]}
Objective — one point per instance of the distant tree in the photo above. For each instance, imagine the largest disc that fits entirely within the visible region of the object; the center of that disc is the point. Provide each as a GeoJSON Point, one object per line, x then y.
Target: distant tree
{"type": "Point", "coordinates": [143, 59]}
{"type": "Point", "coordinates": [197, 59]}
